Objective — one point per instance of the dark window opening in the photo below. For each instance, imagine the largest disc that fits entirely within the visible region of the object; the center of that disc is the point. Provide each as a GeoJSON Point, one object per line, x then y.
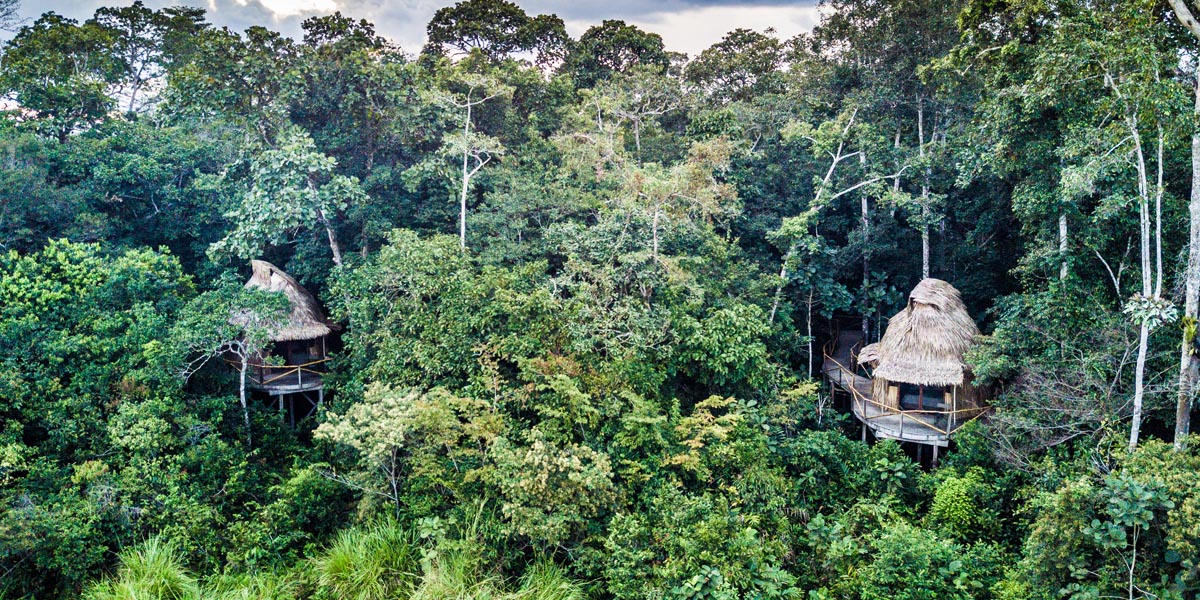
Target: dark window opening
{"type": "Point", "coordinates": [922, 397]}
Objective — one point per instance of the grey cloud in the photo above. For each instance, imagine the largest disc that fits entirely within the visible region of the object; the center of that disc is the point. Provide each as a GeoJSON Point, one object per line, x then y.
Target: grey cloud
{"type": "Point", "coordinates": [404, 21]}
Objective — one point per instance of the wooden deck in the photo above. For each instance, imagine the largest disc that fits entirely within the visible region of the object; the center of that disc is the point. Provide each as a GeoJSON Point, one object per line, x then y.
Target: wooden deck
{"type": "Point", "coordinates": [286, 383]}
{"type": "Point", "coordinates": [286, 379]}
{"type": "Point", "coordinates": [839, 368]}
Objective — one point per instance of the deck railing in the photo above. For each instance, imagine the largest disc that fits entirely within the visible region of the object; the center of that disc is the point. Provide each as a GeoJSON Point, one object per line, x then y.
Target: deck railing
{"type": "Point", "coordinates": [928, 418]}
{"type": "Point", "coordinates": [268, 375]}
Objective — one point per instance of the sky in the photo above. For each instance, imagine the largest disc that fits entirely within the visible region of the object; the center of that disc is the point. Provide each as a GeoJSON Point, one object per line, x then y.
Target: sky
{"type": "Point", "coordinates": [686, 25]}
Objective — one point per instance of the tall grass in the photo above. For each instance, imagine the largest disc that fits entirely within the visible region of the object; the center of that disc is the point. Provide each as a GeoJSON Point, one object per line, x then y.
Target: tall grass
{"type": "Point", "coordinates": [375, 562]}
{"type": "Point", "coordinates": [545, 580]}
{"type": "Point", "coordinates": [259, 586]}
{"type": "Point", "coordinates": [455, 575]}
{"type": "Point", "coordinates": [381, 561]}
{"type": "Point", "coordinates": [152, 571]}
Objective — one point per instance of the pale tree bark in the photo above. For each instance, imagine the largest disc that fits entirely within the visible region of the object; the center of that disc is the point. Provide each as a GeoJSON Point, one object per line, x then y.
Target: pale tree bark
{"type": "Point", "coordinates": [837, 158]}
{"type": "Point", "coordinates": [1189, 363]}
{"type": "Point", "coordinates": [820, 197]}
{"type": "Point", "coordinates": [1063, 269]}
{"type": "Point", "coordinates": [334, 245]}
{"type": "Point", "coordinates": [866, 262]}
{"type": "Point", "coordinates": [481, 156]}
{"type": "Point", "coordinates": [1158, 196]}
{"type": "Point", "coordinates": [466, 183]}
{"type": "Point", "coordinates": [245, 357]}
{"type": "Point", "coordinates": [924, 192]}
{"type": "Point", "coordinates": [1144, 332]}
{"type": "Point", "coordinates": [1148, 285]}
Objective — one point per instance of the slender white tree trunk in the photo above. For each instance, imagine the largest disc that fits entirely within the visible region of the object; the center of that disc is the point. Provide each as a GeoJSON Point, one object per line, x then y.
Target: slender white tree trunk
{"type": "Point", "coordinates": [1189, 366]}
{"type": "Point", "coordinates": [1158, 195]}
{"type": "Point", "coordinates": [334, 246]}
{"type": "Point", "coordinates": [466, 181]}
{"type": "Point", "coordinates": [925, 245]}
{"type": "Point", "coordinates": [242, 396]}
{"type": "Point", "coordinates": [866, 262]}
{"type": "Point", "coordinates": [1063, 269]}
{"type": "Point", "coordinates": [462, 206]}
{"type": "Point", "coordinates": [1147, 284]}
{"type": "Point", "coordinates": [1139, 380]}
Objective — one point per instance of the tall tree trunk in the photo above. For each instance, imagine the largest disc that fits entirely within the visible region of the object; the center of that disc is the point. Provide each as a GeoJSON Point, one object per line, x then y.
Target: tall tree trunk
{"type": "Point", "coordinates": [466, 181]}
{"type": "Point", "coordinates": [924, 245]}
{"type": "Point", "coordinates": [334, 245]}
{"type": "Point", "coordinates": [1063, 269]}
{"type": "Point", "coordinates": [242, 397]}
{"type": "Point", "coordinates": [808, 322]}
{"type": "Point", "coordinates": [866, 261]}
{"type": "Point", "coordinates": [1147, 282]}
{"type": "Point", "coordinates": [924, 192]}
{"type": "Point", "coordinates": [1189, 365]}
{"type": "Point", "coordinates": [1139, 380]}
{"type": "Point", "coordinates": [1158, 195]}
{"type": "Point", "coordinates": [462, 206]}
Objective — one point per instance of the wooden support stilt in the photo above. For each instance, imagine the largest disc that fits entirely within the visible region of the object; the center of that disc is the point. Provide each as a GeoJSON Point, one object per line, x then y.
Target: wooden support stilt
{"type": "Point", "coordinates": [935, 457]}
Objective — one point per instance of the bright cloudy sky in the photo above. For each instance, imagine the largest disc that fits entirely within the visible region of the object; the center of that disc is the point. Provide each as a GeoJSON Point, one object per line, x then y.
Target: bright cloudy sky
{"type": "Point", "coordinates": [685, 25]}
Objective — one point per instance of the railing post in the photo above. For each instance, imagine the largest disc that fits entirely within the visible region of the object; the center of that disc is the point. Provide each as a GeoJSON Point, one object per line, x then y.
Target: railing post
{"type": "Point", "coordinates": [953, 407]}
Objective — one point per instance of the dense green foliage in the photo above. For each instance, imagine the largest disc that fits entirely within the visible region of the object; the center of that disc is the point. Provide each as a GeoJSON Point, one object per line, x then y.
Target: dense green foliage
{"type": "Point", "coordinates": [583, 286]}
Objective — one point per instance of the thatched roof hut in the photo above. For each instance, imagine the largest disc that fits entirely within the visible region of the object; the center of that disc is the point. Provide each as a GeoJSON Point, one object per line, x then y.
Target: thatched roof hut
{"type": "Point", "coordinates": [924, 343]}
{"type": "Point", "coordinates": [924, 346]}
{"type": "Point", "coordinates": [306, 322]}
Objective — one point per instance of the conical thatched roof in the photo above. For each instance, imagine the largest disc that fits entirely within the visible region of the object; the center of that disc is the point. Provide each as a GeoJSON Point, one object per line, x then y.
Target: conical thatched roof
{"type": "Point", "coordinates": [306, 321]}
{"type": "Point", "coordinates": [925, 342]}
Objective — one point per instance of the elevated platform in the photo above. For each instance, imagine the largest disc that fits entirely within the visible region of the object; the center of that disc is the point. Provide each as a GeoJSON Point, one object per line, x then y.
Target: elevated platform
{"type": "Point", "coordinates": [885, 423]}
{"type": "Point", "coordinates": [280, 380]}
{"type": "Point", "coordinates": [292, 382]}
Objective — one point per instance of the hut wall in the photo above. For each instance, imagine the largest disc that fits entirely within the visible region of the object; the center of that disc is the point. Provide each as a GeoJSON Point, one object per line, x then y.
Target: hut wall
{"type": "Point", "coordinates": [879, 393]}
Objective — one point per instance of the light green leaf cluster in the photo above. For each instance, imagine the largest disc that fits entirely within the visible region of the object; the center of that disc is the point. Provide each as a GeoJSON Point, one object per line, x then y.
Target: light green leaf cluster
{"type": "Point", "coordinates": [551, 489]}
{"type": "Point", "coordinates": [291, 188]}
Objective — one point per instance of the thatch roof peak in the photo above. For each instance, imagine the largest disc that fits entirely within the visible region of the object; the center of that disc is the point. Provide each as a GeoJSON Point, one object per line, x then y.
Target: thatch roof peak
{"type": "Point", "coordinates": [306, 321]}
{"type": "Point", "coordinates": [924, 343]}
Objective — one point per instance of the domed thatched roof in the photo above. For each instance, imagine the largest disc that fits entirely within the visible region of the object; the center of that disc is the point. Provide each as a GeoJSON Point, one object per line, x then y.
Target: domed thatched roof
{"type": "Point", "coordinates": [306, 321]}
{"type": "Point", "coordinates": [924, 343]}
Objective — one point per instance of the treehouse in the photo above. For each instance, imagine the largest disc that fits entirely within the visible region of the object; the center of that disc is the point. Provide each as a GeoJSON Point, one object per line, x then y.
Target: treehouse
{"type": "Point", "coordinates": [917, 388]}
{"type": "Point", "coordinates": [291, 369]}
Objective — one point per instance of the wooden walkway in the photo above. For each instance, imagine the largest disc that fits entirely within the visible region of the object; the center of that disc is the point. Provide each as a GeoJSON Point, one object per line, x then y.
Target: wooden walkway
{"type": "Point", "coordinates": [839, 368]}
